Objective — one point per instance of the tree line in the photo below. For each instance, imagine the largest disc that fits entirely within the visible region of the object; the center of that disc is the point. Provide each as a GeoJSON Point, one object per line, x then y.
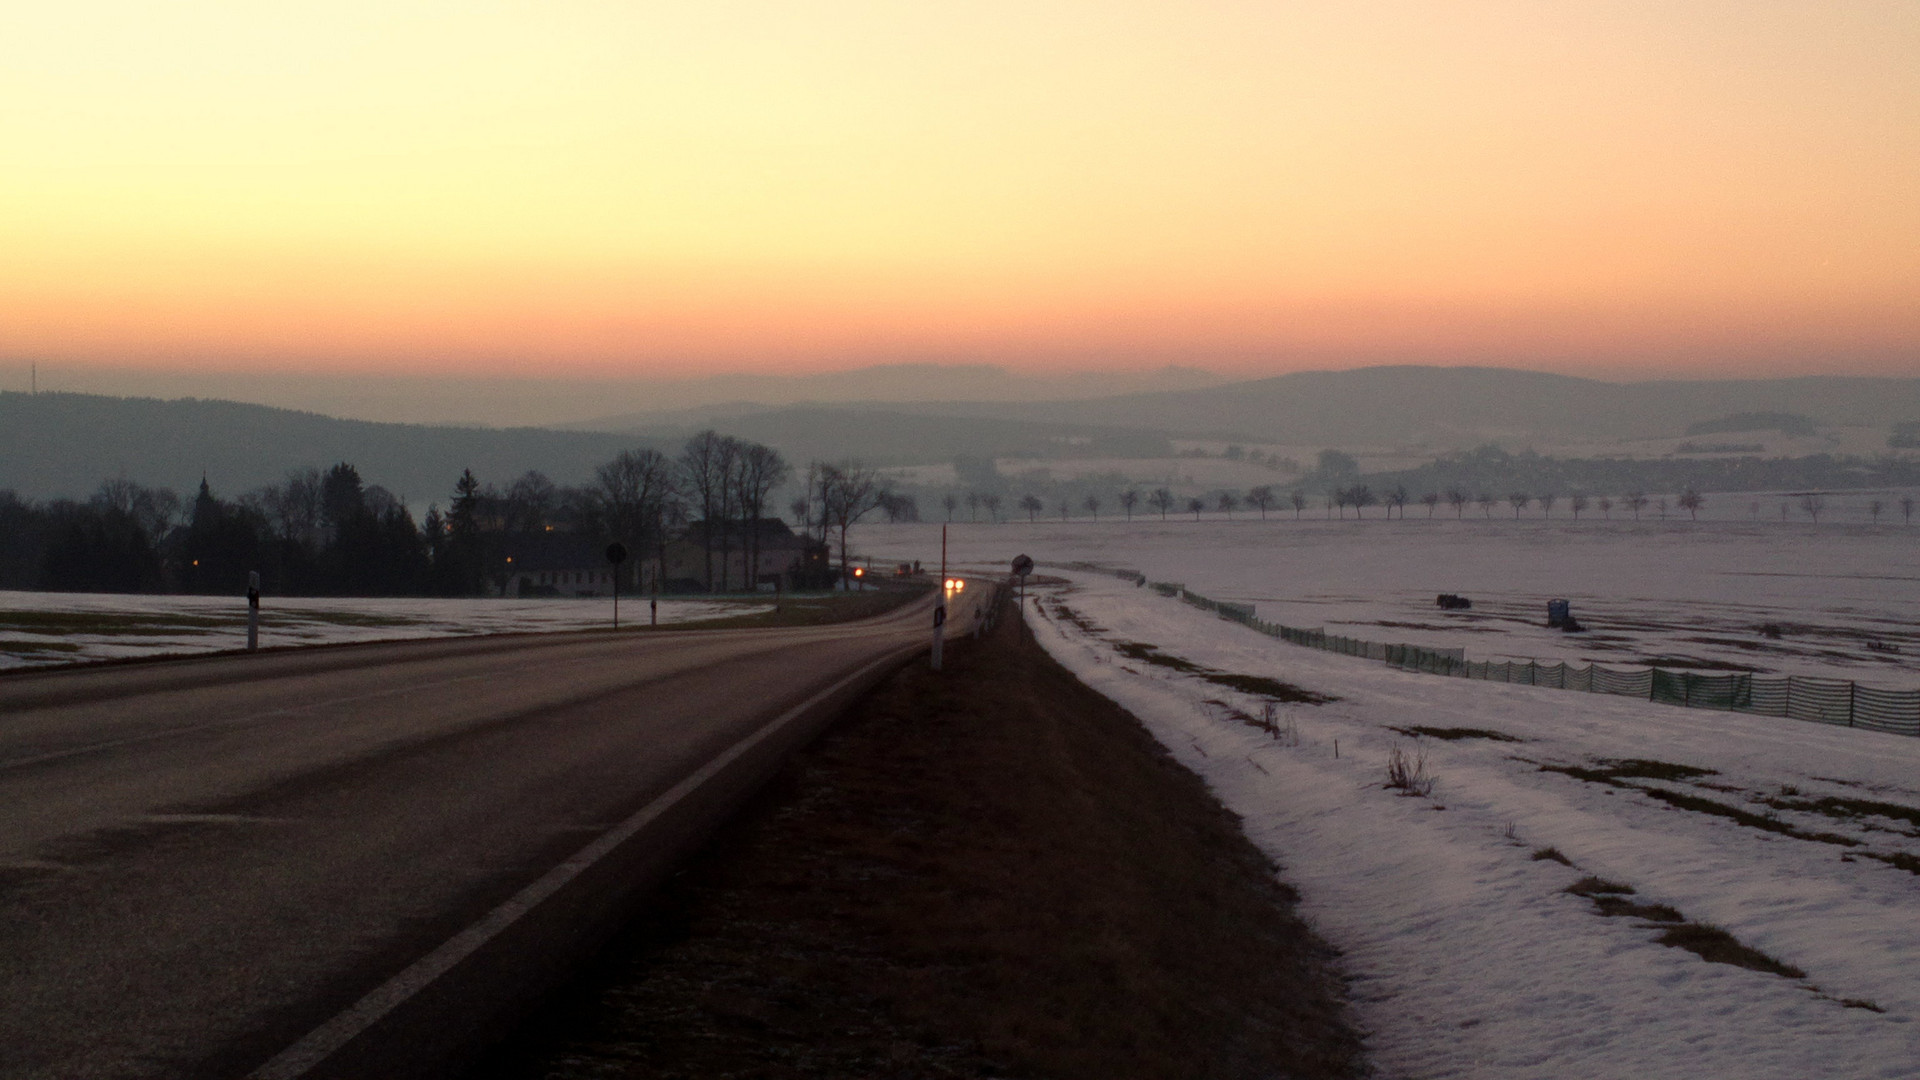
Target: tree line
{"type": "Point", "coordinates": [330, 533]}
{"type": "Point", "coordinates": [1394, 500]}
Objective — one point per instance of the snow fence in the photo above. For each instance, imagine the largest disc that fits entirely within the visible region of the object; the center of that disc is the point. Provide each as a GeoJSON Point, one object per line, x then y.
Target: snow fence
{"type": "Point", "coordinates": [1799, 697]}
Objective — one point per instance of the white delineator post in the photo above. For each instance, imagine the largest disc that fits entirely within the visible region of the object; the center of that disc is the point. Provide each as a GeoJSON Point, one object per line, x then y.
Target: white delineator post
{"type": "Point", "coordinates": [253, 610]}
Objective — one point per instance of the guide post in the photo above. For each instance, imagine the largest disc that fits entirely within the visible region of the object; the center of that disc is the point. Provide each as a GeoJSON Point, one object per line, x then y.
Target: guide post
{"type": "Point", "coordinates": [253, 610]}
{"type": "Point", "coordinates": [1022, 566]}
{"type": "Point", "coordinates": [616, 554]}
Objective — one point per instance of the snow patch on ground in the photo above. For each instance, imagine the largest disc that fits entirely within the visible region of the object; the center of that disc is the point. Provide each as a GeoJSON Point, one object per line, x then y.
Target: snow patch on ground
{"type": "Point", "coordinates": [1467, 957]}
{"type": "Point", "coordinates": [1683, 594]}
{"type": "Point", "coordinates": [47, 628]}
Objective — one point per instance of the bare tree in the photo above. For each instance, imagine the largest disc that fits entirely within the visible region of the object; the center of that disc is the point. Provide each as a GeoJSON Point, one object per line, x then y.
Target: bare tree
{"type": "Point", "coordinates": [851, 491]}
{"type": "Point", "coordinates": [1066, 506]}
{"type": "Point", "coordinates": [1261, 499]}
{"type": "Point", "coordinates": [1691, 501]}
{"type": "Point", "coordinates": [992, 503]}
{"type": "Point", "coordinates": [973, 504]}
{"type": "Point", "coordinates": [949, 502]}
{"type": "Point", "coordinates": [1606, 507]}
{"type": "Point", "coordinates": [1195, 506]}
{"type": "Point", "coordinates": [1092, 503]}
{"type": "Point", "coordinates": [760, 470]}
{"type": "Point", "coordinates": [1458, 500]}
{"type": "Point", "coordinates": [1430, 500]}
{"type": "Point", "coordinates": [1161, 500]}
{"type": "Point", "coordinates": [1636, 501]}
{"type": "Point", "coordinates": [1906, 509]}
{"type": "Point", "coordinates": [1546, 503]}
{"type": "Point", "coordinates": [1128, 499]}
{"type": "Point", "coordinates": [1812, 504]}
{"type": "Point", "coordinates": [1361, 496]}
{"type": "Point", "coordinates": [1298, 501]}
{"type": "Point", "coordinates": [1874, 506]}
{"type": "Point", "coordinates": [152, 510]}
{"type": "Point", "coordinates": [531, 501]}
{"type": "Point", "coordinates": [1518, 500]}
{"type": "Point", "coordinates": [704, 464]}
{"type": "Point", "coordinates": [1577, 503]}
{"type": "Point", "coordinates": [1485, 502]}
{"type": "Point", "coordinates": [1031, 504]}
{"type": "Point", "coordinates": [899, 507]}
{"type": "Point", "coordinates": [1397, 498]}
{"type": "Point", "coordinates": [1228, 502]}
{"type": "Point", "coordinates": [635, 497]}
{"type": "Point", "coordinates": [1661, 503]}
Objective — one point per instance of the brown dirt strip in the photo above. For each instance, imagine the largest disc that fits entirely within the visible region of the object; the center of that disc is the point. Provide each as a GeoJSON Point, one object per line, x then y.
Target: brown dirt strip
{"type": "Point", "coordinates": [990, 872]}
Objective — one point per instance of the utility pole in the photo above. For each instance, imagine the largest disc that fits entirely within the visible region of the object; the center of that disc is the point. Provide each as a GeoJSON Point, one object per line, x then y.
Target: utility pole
{"type": "Point", "coordinates": [940, 606]}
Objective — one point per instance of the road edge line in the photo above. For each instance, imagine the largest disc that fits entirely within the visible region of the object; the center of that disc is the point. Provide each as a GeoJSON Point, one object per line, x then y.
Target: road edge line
{"type": "Point", "coordinates": [315, 1049]}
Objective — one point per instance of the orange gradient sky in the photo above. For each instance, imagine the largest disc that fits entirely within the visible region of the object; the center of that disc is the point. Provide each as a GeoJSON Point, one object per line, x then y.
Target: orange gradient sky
{"type": "Point", "coordinates": [607, 188]}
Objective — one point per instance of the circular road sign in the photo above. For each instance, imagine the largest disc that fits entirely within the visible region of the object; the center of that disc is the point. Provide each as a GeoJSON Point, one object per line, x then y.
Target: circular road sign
{"type": "Point", "coordinates": [616, 553]}
{"type": "Point", "coordinates": [1022, 565]}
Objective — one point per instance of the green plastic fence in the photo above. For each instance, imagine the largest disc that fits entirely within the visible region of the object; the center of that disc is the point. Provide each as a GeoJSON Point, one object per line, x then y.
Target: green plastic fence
{"type": "Point", "coordinates": [1799, 697]}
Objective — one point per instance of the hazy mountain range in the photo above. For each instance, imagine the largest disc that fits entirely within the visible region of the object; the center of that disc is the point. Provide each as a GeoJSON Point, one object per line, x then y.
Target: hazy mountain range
{"type": "Point", "coordinates": [64, 444]}
{"type": "Point", "coordinates": [481, 401]}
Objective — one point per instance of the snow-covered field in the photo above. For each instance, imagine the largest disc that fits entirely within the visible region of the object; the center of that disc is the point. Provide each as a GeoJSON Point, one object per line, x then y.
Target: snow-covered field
{"type": "Point", "coordinates": [1466, 953]}
{"type": "Point", "coordinates": [1682, 594]}
{"type": "Point", "coordinates": [50, 628]}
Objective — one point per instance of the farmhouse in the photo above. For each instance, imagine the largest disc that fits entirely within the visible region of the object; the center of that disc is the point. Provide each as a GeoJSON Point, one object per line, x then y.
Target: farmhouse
{"type": "Point", "coordinates": [568, 564]}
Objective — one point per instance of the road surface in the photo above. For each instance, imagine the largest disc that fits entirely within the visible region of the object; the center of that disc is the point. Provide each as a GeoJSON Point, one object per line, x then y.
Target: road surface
{"type": "Point", "coordinates": [202, 862]}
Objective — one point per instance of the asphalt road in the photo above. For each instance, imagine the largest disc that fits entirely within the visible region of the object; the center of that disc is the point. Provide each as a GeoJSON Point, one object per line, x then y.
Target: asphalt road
{"type": "Point", "coordinates": [202, 861]}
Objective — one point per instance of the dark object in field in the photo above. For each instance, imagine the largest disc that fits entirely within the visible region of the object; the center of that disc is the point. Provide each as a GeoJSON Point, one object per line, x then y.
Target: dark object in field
{"type": "Point", "coordinates": [1451, 602]}
{"type": "Point", "coordinates": [1572, 626]}
{"type": "Point", "coordinates": [1558, 612]}
{"type": "Point", "coordinates": [1882, 646]}
{"type": "Point", "coordinates": [1770, 630]}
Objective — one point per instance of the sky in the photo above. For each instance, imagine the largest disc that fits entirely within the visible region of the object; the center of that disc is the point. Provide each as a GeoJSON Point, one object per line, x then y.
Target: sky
{"type": "Point", "coordinates": [596, 189]}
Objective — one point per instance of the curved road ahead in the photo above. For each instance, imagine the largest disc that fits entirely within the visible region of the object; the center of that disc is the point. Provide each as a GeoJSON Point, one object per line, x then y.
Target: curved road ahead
{"type": "Point", "coordinates": [201, 862]}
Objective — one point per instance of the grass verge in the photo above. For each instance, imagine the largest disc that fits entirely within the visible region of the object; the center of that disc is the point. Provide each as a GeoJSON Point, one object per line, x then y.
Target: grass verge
{"type": "Point", "coordinates": [1258, 685]}
{"type": "Point", "coordinates": [990, 872]}
{"type": "Point", "coordinates": [1452, 734]}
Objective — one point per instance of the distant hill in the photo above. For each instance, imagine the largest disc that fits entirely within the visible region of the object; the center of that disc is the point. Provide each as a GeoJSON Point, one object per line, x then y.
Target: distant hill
{"type": "Point", "coordinates": [882, 435]}
{"type": "Point", "coordinates": [1464, 406]}
{"type": "Point", "coordinates": [65, 444]}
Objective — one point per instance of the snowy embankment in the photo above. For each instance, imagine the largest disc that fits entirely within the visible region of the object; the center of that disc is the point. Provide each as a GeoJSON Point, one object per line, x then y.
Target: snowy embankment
{"type": "Point", "coordinates": [50, 628]}
{"type": "Point", "coordinates": [1467, 954]}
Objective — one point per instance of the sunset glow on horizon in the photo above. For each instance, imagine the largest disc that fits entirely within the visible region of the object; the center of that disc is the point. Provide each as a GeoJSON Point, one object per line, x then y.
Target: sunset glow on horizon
{"type": "Point", "coordinates": [598, 188]}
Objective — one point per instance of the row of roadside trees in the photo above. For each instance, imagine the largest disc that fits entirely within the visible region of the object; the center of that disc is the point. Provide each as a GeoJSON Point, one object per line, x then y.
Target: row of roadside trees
{"type": "Point", "coordinates": [330, 533]}
{"type": "Point", "coordinates": [1359, 497]}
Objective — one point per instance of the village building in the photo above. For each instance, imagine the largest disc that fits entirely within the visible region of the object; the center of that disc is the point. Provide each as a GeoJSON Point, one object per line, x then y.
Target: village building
{"type": "Point", "coordinates": [780, 558]}
{"type": "Point", "coordinates": [569, 564]}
